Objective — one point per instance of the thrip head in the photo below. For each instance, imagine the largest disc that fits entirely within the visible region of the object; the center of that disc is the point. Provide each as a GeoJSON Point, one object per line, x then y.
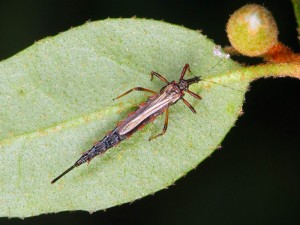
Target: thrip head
{"type": "Point", "coordinates": [184, 84]}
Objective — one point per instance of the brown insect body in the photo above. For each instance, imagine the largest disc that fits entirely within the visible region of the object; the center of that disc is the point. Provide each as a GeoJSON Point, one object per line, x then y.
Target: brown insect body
{"type": "Point", "coordinates": [147, 112]}
{"type": "Point", "coordinates": [154, 106]}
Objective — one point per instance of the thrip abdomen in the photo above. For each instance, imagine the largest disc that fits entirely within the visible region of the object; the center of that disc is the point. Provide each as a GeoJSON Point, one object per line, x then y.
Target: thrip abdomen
{"type": "Point", "coordinates": [110, 140]}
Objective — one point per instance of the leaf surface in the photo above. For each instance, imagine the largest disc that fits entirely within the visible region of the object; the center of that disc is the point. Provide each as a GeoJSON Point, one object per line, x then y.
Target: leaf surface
{"type": "Point", "coordinates": [56, 101]}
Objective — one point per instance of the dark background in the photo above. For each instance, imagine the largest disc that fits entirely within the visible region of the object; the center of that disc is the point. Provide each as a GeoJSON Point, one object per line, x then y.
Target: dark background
{"type": "Point", "coordinates": [253, 179]}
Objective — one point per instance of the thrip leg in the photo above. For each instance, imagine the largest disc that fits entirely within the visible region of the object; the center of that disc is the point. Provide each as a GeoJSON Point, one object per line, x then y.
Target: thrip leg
{"type": "Point", "coordinates": [136, 89]}
{"type": "Point", "coordinates": [194, 94]}
{"type": "Point", "coordinates": [159, 76]}
{"type": "Point", "coordinates": [165, 126]}
{"type": "Point", "coordinates": [189, 105]}
{"type": "Point", "coordinates": [185, 68]}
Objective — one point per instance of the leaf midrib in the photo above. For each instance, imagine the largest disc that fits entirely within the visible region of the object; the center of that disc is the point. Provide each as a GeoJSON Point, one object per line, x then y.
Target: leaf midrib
{"type": "Point", "coordinates": [73, 122]}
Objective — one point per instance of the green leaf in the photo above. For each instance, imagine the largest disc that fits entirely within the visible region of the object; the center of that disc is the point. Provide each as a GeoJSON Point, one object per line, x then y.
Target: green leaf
{"type": "Point", "coordinates": [296, 5]}
{"type": "Point", "coordinates": [56, 101]}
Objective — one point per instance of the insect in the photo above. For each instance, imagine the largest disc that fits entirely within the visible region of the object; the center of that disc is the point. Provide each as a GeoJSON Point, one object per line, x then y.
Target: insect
{"type": "Point", "coordinates": [147, 112]}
